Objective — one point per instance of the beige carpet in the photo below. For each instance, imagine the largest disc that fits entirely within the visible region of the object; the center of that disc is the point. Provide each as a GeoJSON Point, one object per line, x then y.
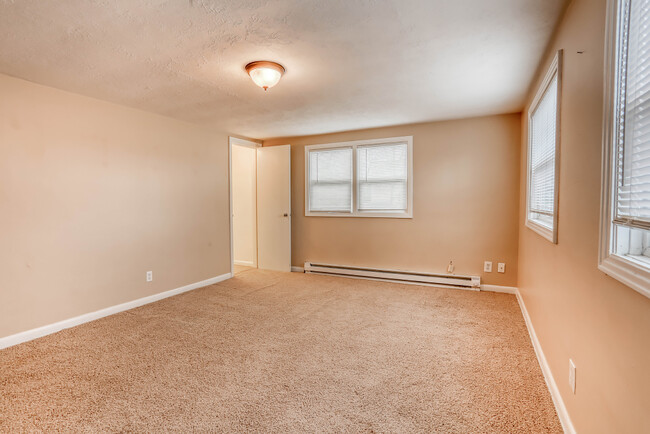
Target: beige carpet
{"type": "Point", "coordinates": [237, 269]}
{"type": "Point", "coordinates": [286, 352]}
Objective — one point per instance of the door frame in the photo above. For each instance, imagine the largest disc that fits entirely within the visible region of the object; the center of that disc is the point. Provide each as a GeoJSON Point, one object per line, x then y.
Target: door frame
{"type": "Point", "coordinates": [235, 141]}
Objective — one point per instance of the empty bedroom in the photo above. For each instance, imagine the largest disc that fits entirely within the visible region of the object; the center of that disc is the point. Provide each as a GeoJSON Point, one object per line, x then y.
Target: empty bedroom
{"type": "Point", "coordinates": [395, 216]}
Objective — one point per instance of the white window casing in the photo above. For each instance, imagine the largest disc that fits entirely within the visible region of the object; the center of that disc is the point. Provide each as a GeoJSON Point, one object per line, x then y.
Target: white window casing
{"type": "Point", "coordinates": [624, 251]}
{"type": "Point", "coordinates": [543, 157]}
{"type": "Point", "coordinates": [364, 178]}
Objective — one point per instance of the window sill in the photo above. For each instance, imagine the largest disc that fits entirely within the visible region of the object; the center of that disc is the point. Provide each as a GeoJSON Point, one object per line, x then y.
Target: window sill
{"type": "Point", "coordinates": [545, 232]}
{"type": "Point", "coordinates": [627, 272]}
{"type": "Point", "coordinates": [370, 214]}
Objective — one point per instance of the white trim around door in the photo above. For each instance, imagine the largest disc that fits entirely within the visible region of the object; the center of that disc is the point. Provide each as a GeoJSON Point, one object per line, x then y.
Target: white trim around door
{"type": "Point", "coordinates": [239, 142]}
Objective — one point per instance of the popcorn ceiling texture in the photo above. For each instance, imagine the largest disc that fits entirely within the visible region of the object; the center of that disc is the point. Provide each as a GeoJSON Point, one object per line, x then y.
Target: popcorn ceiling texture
{"type": "Point", "coordinates": [350, 65]}
{"type": "Point", "coordinates": [286, 352]}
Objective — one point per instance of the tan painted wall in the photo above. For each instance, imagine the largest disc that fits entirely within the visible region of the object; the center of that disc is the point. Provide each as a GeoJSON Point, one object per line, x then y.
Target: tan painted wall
{"type": "Point", "coordinates": [466, 185]}
{"type": "Point", "coordinates": [578, 312]}
{"type": "Point", "coordinates": [92, 195]}
{"type": "Point", "coordinates": [244, 204]}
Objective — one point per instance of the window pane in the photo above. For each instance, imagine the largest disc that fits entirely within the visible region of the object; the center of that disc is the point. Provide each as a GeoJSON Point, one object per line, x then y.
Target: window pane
{"type": "Point", "coordinates": [542, 219]}
{"type": "Point", "coordinates": [634, 89]}
{"type": "Point", "coordinates": [542, 157]}
{"type": "Point", "coordinates": [382, 173]}
{"type": "Point", "coordinates": [330, 180]}
{"type": "Point", "coordinates": [633, 243]}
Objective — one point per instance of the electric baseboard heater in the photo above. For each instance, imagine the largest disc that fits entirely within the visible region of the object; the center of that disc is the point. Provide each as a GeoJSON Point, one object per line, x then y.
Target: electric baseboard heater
{"type": "Point", "coordinates": [410, 277]}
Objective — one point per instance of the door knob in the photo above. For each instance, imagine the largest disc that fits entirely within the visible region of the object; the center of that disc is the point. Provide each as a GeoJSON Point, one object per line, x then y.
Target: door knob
{"type": "Point", "coordinates": [286, 215]}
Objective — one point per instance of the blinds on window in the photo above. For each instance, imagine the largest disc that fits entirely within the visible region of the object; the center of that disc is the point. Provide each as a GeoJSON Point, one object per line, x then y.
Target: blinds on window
{"type": "Point", "coordinates": [633, 116]}
{"type": "Point", "coordinates": [382, 174]}
{"type": "Point", "coordinates": [542, 157]}
{"type": "Point", "coordinates": [330, 180]}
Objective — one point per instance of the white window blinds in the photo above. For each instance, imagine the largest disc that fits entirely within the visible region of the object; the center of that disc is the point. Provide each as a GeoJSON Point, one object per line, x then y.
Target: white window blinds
{"type": "Point", "coordinates": [330, 180]}
{"type": "Point", "coordinates": [633, 117]}
{"type": "Point", "coordinates": [362, 178]}
{"type": "Point", "coordinates": [542, 157]}
{"type": "Point", "coordinates": [382, 174]}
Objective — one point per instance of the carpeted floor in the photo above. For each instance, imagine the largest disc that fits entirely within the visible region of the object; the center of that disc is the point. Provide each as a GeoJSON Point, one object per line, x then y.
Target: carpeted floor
{"type": "Point", "coordinates": [286, 352]}
{"type": "Point", "coordinates": [237, 269]}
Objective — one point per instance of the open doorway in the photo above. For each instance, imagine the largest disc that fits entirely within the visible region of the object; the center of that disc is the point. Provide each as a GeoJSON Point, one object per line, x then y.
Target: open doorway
{"type": "Point", "coordinates": [243, 204]}
{"type": "Point", "coordinates": [260, 204]}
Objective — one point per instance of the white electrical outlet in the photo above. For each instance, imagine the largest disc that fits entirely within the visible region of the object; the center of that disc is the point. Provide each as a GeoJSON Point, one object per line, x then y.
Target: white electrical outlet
{"type": "Point", "coordinates": [501, 267]}
{"type": "Point", "coordinates": [149, 276]}
{"type": "Point", "coordinates": [572, 376]}
{"type": "Point", "coordinates": [487, 266]}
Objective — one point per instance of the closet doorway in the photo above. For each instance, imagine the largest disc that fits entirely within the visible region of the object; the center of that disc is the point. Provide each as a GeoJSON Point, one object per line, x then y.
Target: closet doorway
{"type": "Point", "coordinates": [260, 206]}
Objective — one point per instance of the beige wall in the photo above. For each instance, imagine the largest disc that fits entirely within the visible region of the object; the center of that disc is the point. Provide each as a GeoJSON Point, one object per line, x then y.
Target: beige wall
{"type": "Point", "coordinates": [244, 204]}
{"type": "Point", "coordinates": [92, 195]}
{"type": "Point", "coordinates": [578, 312]}
{"type": "Point", "coordinates": [466, 185]}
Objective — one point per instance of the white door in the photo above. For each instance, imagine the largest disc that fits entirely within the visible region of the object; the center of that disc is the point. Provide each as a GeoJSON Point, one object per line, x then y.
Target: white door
{"type": "Point", "coordinates": [274, 208]}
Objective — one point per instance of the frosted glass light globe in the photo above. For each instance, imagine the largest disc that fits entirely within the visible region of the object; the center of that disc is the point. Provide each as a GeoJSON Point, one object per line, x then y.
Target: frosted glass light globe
{"type": "Point", "coordinates": [265, 74]}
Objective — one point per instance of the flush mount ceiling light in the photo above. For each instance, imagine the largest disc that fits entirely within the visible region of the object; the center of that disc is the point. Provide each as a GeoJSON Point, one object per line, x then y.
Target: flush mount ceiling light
{"type": "Point", "coordinates": [265, 74]}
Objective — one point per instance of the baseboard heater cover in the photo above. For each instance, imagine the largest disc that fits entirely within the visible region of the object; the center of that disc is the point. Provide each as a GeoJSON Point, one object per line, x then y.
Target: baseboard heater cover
{"type": "Point", "coordinates": [411, 277]}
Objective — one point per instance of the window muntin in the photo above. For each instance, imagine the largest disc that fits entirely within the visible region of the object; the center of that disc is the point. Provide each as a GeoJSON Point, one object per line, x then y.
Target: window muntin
{"type": "Point", "coordinates": [543, 145]}
{"type": "Point", "coordinates": [381, 182]}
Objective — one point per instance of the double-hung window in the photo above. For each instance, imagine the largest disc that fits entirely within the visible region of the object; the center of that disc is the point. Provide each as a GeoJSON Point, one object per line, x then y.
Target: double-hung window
{"type": "Point", "coordinates": [625, 221]}
{"type": "Point", "coordinates": [366, 178]}
{"type": "Point", "coordinates": [543, 154]}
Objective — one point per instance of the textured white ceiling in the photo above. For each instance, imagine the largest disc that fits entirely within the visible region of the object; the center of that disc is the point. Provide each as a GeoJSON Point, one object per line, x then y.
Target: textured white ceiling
{"type": "Point", "coordinates": [350, 63]}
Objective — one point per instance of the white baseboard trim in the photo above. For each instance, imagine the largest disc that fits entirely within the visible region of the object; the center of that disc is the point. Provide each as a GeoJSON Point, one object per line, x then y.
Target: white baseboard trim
{"type": "Point", "coordinates": [29, 335]}
{"type": "Point", "coordinates": [560, 408]}
{"type": "Point", "coordinates": [297, 269]}
{"type": "Point", "coordinates": [497, 288]}
{"type": "Point", "coordinates": [244, 263]}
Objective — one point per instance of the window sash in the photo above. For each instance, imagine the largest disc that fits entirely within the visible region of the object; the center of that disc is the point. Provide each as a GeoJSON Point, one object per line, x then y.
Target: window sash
{"type": "Point", "coordinates": [367, 179]}
{"type": "Point", "coordinates": [626, 266]}
{"type": "Point", "coordinates": [341, 182]}
{"type": "Point", "coordinates": [543, 154]}
{"type": "Point", "coordinates": [632, 119]}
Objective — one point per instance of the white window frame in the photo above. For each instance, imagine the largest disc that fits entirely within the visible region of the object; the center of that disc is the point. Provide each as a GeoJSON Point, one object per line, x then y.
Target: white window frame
{"type": "Point", "coordinates": [355, 187]}
{"type": "Point", "coordinates": [554, 70]}
{"type": "Point", "coordinates": [634, 274]}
